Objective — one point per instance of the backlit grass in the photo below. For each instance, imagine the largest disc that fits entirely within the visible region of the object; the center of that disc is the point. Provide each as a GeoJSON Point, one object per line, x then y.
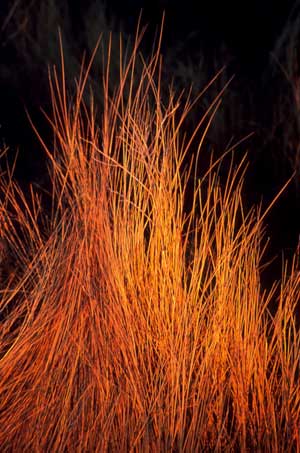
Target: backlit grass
{"type": "Point", "coordinates": [134, 318]}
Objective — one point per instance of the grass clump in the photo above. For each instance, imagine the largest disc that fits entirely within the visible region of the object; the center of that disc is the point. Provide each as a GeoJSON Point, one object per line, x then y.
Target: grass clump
{"type": "Point", "coordinates": [136, 321]}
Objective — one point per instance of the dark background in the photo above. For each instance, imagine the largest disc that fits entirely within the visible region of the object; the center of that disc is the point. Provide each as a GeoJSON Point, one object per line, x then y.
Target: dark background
{"type": "Point", "coordinates": [242, 35]}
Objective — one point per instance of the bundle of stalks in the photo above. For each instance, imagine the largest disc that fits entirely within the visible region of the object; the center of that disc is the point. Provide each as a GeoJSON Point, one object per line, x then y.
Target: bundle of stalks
{"type": "Point", "coordinates": [137, 324]}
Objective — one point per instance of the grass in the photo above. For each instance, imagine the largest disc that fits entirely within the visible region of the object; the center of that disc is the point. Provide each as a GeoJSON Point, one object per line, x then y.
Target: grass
{"type": "Point", "coordinates": [135, 319]}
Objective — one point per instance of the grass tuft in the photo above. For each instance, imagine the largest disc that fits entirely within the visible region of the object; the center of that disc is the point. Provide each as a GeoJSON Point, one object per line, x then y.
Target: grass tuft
{"type": "Point", "coordinates": [135, 319]}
